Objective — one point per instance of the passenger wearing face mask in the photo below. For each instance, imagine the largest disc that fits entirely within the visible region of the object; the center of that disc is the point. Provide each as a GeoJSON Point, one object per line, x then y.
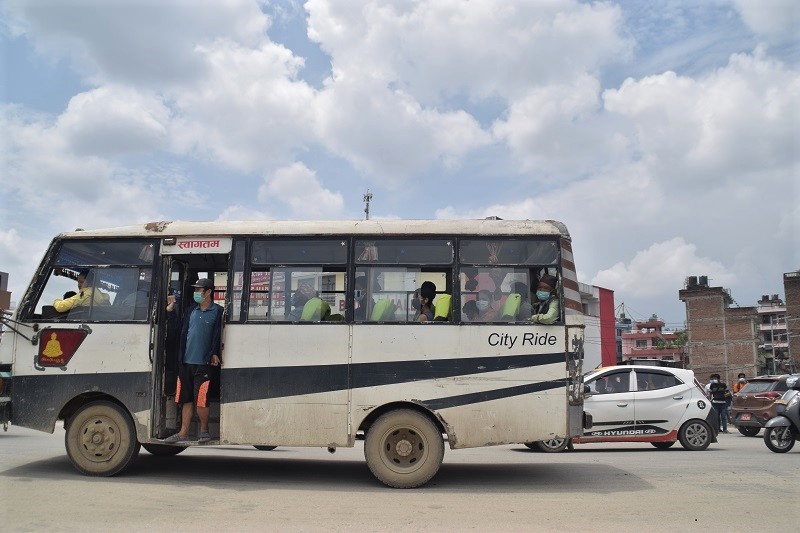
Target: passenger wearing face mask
{"type": "Point", "coordinates": [200, 350]}
{"type": "Point", "coordinates": [427, 292]}
{"type": "Point", "coordinates": [546, 309]}
{"type": "Point", "coordinates": [485, 305]}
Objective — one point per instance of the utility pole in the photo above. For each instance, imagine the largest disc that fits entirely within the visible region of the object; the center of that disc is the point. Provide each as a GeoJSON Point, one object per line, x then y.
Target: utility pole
{"type": "Point", "coordinates": [367, 199]}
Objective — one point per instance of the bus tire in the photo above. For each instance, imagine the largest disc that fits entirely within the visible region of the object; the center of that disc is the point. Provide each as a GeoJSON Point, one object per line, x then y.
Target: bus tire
{"type": "Point", "coordinates": [101, 439]}
{"type": "Point", "coordinates": [163, 450]}
{"type": "Point", "coordinates": [404, 449]}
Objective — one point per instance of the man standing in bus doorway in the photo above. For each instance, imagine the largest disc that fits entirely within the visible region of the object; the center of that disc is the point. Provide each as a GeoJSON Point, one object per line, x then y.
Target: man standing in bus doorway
{"type": "Point", "coordinates": [200, 349]}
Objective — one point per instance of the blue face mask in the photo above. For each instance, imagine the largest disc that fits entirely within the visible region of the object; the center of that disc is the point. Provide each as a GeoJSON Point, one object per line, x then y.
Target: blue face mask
{"type": "Point", "coordinates": [198, 297]}
{"type": "Point", "coordinates": [542, 295]}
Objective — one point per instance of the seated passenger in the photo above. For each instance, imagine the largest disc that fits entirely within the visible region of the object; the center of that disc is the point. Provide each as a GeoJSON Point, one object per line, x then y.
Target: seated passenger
{"type": "Point", "coordinates": [485, 304]}
{"type": "Point", "coordinates": [525, 308]}
{"type": "Point", "coordinates": [85, 297]}
{"type": "Point", "coordinates": [360, 299]}
{"type": "Point", "coordinates": [427, 292]}
{"type": "Point", "coordinates": [302, 295]}
{"type": "Point", "coordinates": [469, 312]}
{"type": "Point", "coordinates": [546, 311]}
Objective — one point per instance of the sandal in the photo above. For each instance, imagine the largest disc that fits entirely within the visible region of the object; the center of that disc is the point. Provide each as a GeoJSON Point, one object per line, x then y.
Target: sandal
{"type": "Point", "coordinates": [175, 439]}
{"type": "Point", "coordinates": [204, 436]}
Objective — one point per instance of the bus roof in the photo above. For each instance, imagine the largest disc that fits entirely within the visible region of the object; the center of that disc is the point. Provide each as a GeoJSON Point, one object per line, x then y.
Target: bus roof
{"type": "Point", "coordinates": [334, 227]}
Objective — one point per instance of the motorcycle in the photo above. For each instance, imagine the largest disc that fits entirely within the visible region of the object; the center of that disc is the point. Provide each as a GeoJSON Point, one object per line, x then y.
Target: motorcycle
{"type": "Point", "coordinates": [782, 430]}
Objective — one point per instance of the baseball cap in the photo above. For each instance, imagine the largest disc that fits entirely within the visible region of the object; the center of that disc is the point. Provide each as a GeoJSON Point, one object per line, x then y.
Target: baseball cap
{"type": "Point", "coordinates": [204, 284]}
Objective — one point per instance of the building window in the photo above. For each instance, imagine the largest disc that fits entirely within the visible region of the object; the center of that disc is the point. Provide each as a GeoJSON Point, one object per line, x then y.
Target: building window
{"type": "Point", "coordinates": [641, 343]}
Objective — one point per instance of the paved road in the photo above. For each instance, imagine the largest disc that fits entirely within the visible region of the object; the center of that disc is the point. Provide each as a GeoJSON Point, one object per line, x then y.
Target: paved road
{"type": "Point", "coordinates": [737, 484]}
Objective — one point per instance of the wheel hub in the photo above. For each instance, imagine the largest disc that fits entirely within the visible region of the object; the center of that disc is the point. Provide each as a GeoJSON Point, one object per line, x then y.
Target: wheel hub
{"type": "Point", "coordinates": [99, 439]}
{"type": "Point", "coordinates": [404, 448]}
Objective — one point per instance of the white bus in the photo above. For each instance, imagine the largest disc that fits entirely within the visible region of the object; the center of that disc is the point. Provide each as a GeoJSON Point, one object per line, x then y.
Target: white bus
{"type": "Point", "coordinates": [356, 363]}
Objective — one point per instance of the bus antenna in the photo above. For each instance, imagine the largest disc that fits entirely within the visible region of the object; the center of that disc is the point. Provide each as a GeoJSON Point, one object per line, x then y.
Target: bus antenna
{"type": "Point", "coordinates": [367, 199]}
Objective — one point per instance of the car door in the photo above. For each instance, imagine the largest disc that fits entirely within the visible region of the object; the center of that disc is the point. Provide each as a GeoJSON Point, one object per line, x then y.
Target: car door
{"type": "Point", "coordinates": [661, 401]}
{"type": "Point", "coordinates": [611, 405]}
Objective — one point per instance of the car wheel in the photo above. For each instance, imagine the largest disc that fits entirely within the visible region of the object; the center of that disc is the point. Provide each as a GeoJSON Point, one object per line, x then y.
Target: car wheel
{"type": "Point", "coordinates": [552, 445]}
{"type": "Point", "coordinates": [264, 448]}
{"type": "Point", "coordinates": [779, 439]}
{"type": "Point", "coordinates": [663, 445]}
{"type": "Point", "coordinates": [404, 449]}
{"type": "Point", "coordinates": [100, 439]}
{"type": "Point", "coordinates": [695, 435]}
{"type": "Point", "coordinates": [163, 450]}
{"type": "Point", "coordinates": [748, 431]}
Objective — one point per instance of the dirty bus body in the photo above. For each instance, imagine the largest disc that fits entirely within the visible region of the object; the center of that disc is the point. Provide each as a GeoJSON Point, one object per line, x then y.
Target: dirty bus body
{"type": "Point", "coordinates": [351, 358]}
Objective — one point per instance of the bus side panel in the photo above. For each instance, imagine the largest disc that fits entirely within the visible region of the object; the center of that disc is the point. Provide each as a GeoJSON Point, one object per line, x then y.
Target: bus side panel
{"type": "Point", "coordinates": [491, 384]}
{"type": "Point", "coordinates": [112, 360]}
{"type": "Point", "coordinates": [285, 384]}
{"type": "Point", "coordinates": [37, 400]}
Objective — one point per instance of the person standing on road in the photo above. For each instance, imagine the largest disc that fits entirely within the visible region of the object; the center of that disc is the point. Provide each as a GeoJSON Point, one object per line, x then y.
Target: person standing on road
{"type": "Point", "coordinates": [719, 399]}
{"type": "Point", "coordinates": [739, 385]}
{"type": "Point", "coordinates": [200, 347]}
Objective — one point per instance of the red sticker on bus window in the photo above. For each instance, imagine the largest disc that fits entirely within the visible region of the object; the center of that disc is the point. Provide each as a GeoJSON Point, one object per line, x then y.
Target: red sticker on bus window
{"type": "Point", "coordinates": [57, 346]}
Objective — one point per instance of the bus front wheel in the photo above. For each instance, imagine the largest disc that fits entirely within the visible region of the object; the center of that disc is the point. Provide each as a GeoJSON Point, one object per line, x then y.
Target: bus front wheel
{"type": "Point", "coordinates": [404, 449]}
{"type": "Point", "coordinates": [100, 439]}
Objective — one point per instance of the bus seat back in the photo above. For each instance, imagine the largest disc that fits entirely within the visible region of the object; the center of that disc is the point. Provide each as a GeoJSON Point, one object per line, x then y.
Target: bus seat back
{"type": "Point", "coordinates": [315, 310]}
{"type": "Point", "coordinates": [383, 311]}
{"type": "Point", "coordinates": [442, 308]}
{"type": "Point", "coordinates": [510, 307]}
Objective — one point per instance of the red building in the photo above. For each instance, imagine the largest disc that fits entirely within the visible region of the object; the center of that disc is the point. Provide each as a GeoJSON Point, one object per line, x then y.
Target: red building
{"type": "Point", "coordinates": [648, 343]}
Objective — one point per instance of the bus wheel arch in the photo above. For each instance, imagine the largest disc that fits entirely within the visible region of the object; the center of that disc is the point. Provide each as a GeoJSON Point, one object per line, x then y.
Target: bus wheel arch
{"type": "Point", "coordinates": [404, 448]}
{"type": "Point", "coordinates": [383, 409]}
{"type": "Point", "coordinates": [100, 436]}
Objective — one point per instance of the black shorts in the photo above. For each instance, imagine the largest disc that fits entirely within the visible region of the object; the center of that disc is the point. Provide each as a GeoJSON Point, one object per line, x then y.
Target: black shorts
{"type": "Point", "coordinates": [193, 384]}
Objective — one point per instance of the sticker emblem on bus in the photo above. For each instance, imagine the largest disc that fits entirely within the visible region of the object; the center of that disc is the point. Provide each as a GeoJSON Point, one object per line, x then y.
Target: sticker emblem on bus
{"type": "Point", "coordinates": [57, 346]}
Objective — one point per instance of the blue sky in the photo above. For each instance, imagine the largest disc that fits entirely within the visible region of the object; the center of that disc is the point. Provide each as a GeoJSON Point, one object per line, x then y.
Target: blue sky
{"type": "Point", "coordinates": [663, 133]}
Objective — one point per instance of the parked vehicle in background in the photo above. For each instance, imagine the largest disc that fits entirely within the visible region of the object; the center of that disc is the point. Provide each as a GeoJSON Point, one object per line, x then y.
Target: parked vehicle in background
{"type": "Point", "coordinates": [644, 404]}
{"type": "Point", "coordinates": [755, 404]}
{"type": "Point", "coordinates": [781, 431]}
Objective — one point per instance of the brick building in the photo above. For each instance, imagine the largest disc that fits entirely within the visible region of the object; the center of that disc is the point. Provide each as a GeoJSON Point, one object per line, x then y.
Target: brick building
{"type": "Point", "coordinates": [720, 339]}
{"type": "Point", "coordinates": [791, 288]}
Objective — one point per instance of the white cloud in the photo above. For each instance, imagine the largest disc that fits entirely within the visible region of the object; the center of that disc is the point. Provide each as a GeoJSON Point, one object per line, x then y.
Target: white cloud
{"type": "Point", "coordinates": [660, 270]}
{"type": "Point", "coordinates": [715, 129]}
{"type": "Point", "coordinates": [145, 42]}
{"type": "Point", "coordinates": [775, 20]}
{"type": "Point", "coordinates": [114, 120]}
{"type": "Point", "coordinates": [436, 48]}
{"type": "Point", "coordinates": [387, 134]}
{"type": "Point", "coordinates": [250, 113]}
{"type": "Point", "coordinates": [546, 128]}
{"type": "Point", "coordinates": [240, 212]}
{"type": "Point", "coordinates": [298, 187]}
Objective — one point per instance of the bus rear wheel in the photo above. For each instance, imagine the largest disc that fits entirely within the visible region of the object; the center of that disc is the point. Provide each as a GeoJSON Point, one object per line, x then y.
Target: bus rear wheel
{"type": "Point", "coordinates": [100, 439]}
{"type": "Point", "coordinates": [404, 449]}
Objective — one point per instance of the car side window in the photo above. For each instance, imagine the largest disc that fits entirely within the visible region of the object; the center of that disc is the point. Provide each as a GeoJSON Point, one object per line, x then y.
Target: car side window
{"type": "Point", "coordinates": [611, 383]}
{"type": "Point", "coordinates": [655, 380]}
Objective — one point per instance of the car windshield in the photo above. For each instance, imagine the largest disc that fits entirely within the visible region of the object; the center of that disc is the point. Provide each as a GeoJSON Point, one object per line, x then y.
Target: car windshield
{"type": "Point", "coordinates": [754, 387]}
